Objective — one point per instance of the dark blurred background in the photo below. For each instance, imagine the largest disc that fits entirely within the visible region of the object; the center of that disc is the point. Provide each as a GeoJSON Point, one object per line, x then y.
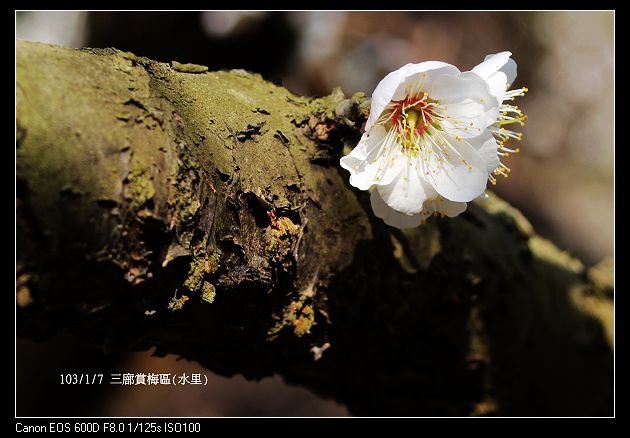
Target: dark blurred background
{"type": "Point", "coordinates": [562, 179]}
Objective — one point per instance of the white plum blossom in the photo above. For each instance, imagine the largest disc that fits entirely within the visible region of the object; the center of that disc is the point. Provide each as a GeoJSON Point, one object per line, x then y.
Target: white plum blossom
{"type": "Point", "coordinates": [429, 145]}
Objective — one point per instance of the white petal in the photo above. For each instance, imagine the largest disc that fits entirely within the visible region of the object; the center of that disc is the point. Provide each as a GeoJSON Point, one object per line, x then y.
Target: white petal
{"type": "Point", "coordinates": [406, 192]}
{"type": "Point", "coordinates": [486, 145]}
{"type": "Point", "coordinates": [383, 93]}
{"type": "Point", "coordinates": [466, 103]}
{"type": "Point", "coordinates": [423, 74]}
{"type": "Point", "coordinates": [392, 217]}
{"type": "Point", "coordinates": [393, 86]}
{"type": "Point", "coordinates": [492, 64]}
{"type": "Point", "coordinates": [510, 70]}
{"type": "Point", "coordinates": [450, 208]}
{"type": "Point", "coordinates": [362, 161]}
{"type": "Point", "coordinates": [499, 70]}
{"type": "Point", "coordinates": [498, 85]}
{"type": "Point", "coordinates": [401, 220]}
{"type": "Point", "coordinates": [367, 146]}
{"type": "Point", "coordinates": [454, 178]}
{"type": "Point", "coordinates": [393, 167]}
{"type": "Point", "coordinates": [438, 203]}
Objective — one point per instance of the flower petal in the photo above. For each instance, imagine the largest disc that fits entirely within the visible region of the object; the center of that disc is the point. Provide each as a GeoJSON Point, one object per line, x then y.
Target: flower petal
{"type": "Point", "coordinates": [466, 104]}
{"type": "Point", "coordinates": [499, 70]}
{"type": "Point", "coordinates": [405, 193]}
{"type": "Point", "coordinates": [383, 93]}
{"type": "Point", "coordinates": [421, 76]}
{"type": "Point", "coordinates": [449, 208]}
{"type": "Point", "coordinates": [498, 85]}
{"type": "Point", "coordinates": [393, 86]}
{"type": "Point", "coordinates": [510, 71]}
{"type": "Point", "coordinates": [492, 64]}
{"type": "Point", "coordinates": [362, 161]}
{"type": "Point", "coordinates": [458, 173]}
{"type": "Point", "coordinates": [401, 220]}
{"type": "Point", "coordinates": [392, 217]}
{"type": "Point", "coordinates": [486, 145]}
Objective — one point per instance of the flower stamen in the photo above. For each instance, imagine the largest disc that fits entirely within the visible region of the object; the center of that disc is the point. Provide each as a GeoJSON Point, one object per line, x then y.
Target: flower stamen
{"type": "Point", "coordinates": [508, 115]}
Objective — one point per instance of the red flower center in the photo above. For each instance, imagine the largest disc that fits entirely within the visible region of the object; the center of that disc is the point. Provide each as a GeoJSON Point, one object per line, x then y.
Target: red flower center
{"type": "Point", "coordinates": [413, 115]}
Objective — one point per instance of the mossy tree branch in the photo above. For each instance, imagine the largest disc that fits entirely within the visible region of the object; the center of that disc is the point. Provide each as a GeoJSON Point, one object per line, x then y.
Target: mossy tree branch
{"type": "Point", "coordinates": [204, 213]}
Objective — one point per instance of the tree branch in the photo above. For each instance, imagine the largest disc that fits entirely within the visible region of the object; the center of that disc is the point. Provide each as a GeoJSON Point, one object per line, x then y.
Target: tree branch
{"type": "Point", "coordinates": [204, 213]}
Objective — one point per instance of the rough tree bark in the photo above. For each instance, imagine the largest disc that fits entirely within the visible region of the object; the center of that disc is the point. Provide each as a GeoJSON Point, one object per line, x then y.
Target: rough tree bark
{"type": "Point", "coordinates": [204, 213]}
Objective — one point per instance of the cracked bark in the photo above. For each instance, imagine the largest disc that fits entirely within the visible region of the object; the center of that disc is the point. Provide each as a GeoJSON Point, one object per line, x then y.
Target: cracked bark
{"type": "Point", "coordinates": [204, 213]}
